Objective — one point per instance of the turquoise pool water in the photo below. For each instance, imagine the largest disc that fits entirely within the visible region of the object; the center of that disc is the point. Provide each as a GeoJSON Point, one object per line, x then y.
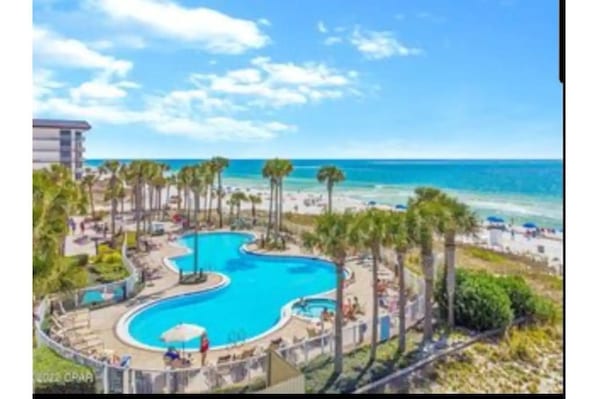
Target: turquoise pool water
{"type": "Point", "coordinates": [260, 285]}
{"type": "Point", "coordinates": [313, 307]}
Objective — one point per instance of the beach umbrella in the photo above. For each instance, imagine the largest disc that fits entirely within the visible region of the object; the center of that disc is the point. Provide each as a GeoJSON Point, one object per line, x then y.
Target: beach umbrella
{"type": "Point", "coordinates": [530, 225]}
{"type": "Point", "coordinates": [495, 219]}
{"type": "Point", "coordinates": [182, 333]}
{"type": "Point", "coordinates": [371, 203]}
{"type": "Point", "coordinates": [400, 207]}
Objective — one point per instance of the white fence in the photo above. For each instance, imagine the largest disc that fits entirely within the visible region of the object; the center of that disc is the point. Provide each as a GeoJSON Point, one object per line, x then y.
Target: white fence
{"type": "Point", "coordinates": [114, 379]}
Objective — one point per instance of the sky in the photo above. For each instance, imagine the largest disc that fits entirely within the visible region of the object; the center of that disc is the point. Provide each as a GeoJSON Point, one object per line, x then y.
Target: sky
{"type": "Point", "coordinates": [303, 78]}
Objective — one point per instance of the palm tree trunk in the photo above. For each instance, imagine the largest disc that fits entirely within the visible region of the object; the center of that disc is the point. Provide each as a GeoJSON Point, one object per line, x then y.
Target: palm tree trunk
{"type": "Point", "coordinates": [338, 319]}
{"type": "Point", "coordinates": [402, 301]}
{"type": "Point", "coordinates": [428, 266]}
{"type": "Point", "coordinates": [449, 270]}
{"type": "Point", "coordinates": [220, 198]}
{"type": "Point", "coordinates": [374, 344]}
{"type": "Point", "coordinates": [280, 207]}
{"type": "Point", "coordinates": [122, 206]}
{"type": "Point", "coordinates": [276, 204]}
{"type": "Point", "coordinates": [137, 213]}
{"type": "Point", "coordinates": [230, 214]}
{"type": "Point", "coordinates": [178, 203]}
{"type": "Point", "coordinates": [330, 199]}
{"type": "Point", "coordinates": [253, 211]}
{"type": "Point", "coordinates": [270, 210]}
{"type": "Point", "coordinates": [91, 201]}
{"type": "Point", "coordinates": [209, 218]}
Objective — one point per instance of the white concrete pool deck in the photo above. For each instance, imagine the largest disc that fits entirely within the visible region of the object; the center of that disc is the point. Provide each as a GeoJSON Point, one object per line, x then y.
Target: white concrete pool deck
{"type": "Point", "coordinates": [103, 321]}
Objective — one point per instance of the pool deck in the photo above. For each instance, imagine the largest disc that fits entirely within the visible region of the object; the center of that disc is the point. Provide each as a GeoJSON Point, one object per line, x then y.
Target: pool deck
{"type": "Point", "coordinates": [104, 320]}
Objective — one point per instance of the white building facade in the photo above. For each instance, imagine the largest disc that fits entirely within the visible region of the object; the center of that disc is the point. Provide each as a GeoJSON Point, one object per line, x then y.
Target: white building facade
{"type": "Point", "coordinates": [59, 142]}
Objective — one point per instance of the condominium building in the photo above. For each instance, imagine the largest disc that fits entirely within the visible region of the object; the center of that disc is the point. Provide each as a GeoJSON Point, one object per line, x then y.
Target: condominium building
{"type": "Point", "coordinates": [59, 142]}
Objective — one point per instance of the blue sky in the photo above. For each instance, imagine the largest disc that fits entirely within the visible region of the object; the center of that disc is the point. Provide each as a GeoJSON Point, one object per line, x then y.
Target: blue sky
{"type": "Point", "coordinates": [302, 78]}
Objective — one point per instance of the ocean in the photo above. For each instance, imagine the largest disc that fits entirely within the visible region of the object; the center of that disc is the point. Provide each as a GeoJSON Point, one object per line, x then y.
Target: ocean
{"type": "Point", "coordinates": [518, 190]}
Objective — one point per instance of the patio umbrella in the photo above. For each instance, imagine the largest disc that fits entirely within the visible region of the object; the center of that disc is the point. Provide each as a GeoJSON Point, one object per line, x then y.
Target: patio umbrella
{"type": "Point", "coordinates": [182, 333]}
{"type": "Point", "coordinates": [530, 225]}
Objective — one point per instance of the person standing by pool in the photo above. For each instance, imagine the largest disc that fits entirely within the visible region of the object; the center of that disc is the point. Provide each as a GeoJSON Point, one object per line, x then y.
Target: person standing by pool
{"type": "Point", "coordinates": [203, 348]}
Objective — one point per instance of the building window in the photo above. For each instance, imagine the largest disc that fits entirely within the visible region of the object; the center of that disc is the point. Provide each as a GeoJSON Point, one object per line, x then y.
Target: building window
{"type": "Point", "coordinates": [65, 134]}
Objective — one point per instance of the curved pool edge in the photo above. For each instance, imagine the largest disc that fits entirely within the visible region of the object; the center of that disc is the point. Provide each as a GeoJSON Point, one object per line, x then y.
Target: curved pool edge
{"type": "Point", "coordinates": [122, 330]}
{"type": "Point", "coordinates": [122, 326]}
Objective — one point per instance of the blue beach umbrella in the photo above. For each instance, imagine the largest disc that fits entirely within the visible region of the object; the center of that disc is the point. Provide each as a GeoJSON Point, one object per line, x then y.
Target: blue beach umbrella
{"type": "Point", "coordinates": [495, 219]}
{"type": "Point", "coordinates": [372, 203]}
{"type": "Point", "coordinates": [530, 225]}
{"type": "Point", "coordinates": [400, 207]}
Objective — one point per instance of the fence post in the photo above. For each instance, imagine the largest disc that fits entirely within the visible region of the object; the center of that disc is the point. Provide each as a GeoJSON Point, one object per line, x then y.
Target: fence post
{"type": "Point", "coordinates": [305, 350]}
{"type": "Point", "coordinates": [105, 378]}
{"type": "Point", "coordinates": [132, 382]}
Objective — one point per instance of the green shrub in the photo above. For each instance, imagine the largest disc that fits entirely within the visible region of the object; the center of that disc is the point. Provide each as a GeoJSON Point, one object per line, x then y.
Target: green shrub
{"type": "Point", "coordinates": [487, 255]}
{"type": "Point", "coordinates": [54, 374]}
{"type": "Point", "coordinates": [112, 258]}
{"type": "Point", "coordinates": [520, 294]}
{"type": "Point", "coordinates": [544, 310]}
{"type": "Point", "coordinates": [480, 302]}
{"type": "Point", "coordinates": [80, 259]}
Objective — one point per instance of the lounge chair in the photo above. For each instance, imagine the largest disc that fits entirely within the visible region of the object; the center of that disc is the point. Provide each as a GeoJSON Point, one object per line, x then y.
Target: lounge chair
{"type": "Point", "coordinates": [247, 353]}
{"type": "Point", "coordinates": [70, 324]}
{"type": "Point", "coordinates": [224, 359]}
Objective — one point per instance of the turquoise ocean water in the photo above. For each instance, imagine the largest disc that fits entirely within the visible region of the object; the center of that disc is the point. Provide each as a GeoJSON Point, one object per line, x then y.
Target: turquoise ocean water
{"type": "Point", "coordinates": [518, 190]}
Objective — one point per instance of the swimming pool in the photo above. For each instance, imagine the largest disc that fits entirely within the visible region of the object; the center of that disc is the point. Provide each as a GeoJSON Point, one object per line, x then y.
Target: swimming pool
{"type": "Point", "coordinates": [313, 307]}
{"type": "Point", "coordinates": [248, 306]}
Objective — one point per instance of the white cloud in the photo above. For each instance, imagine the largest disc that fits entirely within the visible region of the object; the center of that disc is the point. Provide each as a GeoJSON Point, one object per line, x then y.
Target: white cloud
{"type": "Point", "coordinates": [51, 48]}
{"type": "Point", "coordinates": [378, 45]}
{"type": "Point", "coordinates": [321, 27]}
{"type": "Point", "coordinates": [264, 21]}
{"type": "Point", "coordinates": [332, 40]}
{"type": "Point", "coordinates": [212, 30]}
{"type": "Point", "coordinates": [270, 84]}
{"type": "Point", "coordinates": [44, 83]}
{"type": "Point", "coordinates": [97, 89]}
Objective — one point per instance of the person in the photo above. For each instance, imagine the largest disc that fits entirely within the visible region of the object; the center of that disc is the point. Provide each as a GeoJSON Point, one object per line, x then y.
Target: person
{"type": "Point", "coordinates": [356, 307]}
{"type": "Point", "coordinates": [302, 302]}
{"type": "Point", "coordinates": [72, 225]}
{"type": "Point", "coordinates": [512, 234]}
{"type": "Point", "coordinates": [172, 354]}
{"type": "Point", "coordinates": [203, 348]}
{"type": "Point", "coordinates": [325, 315]}
{"type": "Point", "coordinates": [82, 226]}
{"type": "Point", "coordinates": [105, 229]}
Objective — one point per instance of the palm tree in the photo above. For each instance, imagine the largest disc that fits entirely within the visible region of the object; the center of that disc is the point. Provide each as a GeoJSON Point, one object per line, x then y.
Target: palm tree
{"type": "Point", "coordinates": [283, 168]}
{"type": "Point", "coordinates": [268, 173]}
{"type": "Point", "coordinates": [210, 174]}
{"type": "Point", "coordinates": [255, 200]}
{"type": "Point", "coordinates": [185, 177]}
{"type": "Point", "coordinates": [331, 175]}
{"type": "Point", "coordinates": [136, 173]}
{"type": "Point", "coordinates": [369, 232]}
{"type": "Point", "coordinates": [423, 223]}
{"type": "Point", "coordinates": [170, 181]}
{"type": "Point", "coordinates": [55, 197]}
{"type": "Point", "coordinates": [238, 198]}
{"type": "Point", "coordinates": [88, 181]}
{"type": "Point", "coordinates": [219, 163]}
{"type": "Point", "coordinates": [399, 237]}
{"type": "Point", "coordinates": [453, 217]}
{"type": "Point", "coordinates": [197, 186]}
{"type": "Point", "coordinates": [112, 168]}
{"type": "Point", "coordinates": [331, 237]}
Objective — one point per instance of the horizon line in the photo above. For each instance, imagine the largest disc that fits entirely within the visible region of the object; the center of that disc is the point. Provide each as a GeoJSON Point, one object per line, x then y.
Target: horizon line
{"type": "Point", "coordinates": [329, 159]}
